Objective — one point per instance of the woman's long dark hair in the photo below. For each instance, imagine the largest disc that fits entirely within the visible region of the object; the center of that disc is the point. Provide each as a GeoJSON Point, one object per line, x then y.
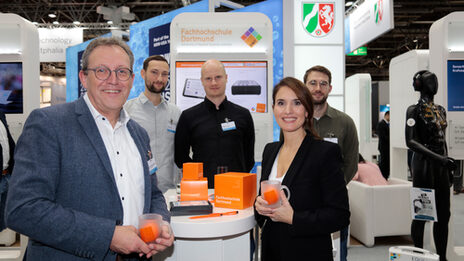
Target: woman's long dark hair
{"type": "Point", "coordinates": [303, 94]}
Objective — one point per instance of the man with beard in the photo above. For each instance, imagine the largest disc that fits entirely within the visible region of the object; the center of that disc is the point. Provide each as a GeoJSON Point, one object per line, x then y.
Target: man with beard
{"type": "Point", "coordinates": [334, 126]}
{"type": "Point", "coordinates": [158, 117]}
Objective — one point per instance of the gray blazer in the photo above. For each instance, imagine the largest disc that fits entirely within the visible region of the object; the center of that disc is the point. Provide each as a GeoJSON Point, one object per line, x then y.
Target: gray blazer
{"type": "Point", "coordinates": [63, 194]}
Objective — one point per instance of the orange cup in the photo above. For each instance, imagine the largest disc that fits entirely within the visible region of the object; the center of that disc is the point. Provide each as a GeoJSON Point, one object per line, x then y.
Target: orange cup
{"type": "Point", "coordinates": [150, 227]}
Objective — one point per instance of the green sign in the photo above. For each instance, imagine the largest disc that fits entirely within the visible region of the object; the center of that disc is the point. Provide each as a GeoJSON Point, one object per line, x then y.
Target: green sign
{"type": "Point", "coordinates": [358, 52]}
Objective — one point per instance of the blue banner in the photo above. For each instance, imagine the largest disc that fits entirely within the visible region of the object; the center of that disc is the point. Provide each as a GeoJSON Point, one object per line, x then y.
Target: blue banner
{"type": "Point", "coordinates": [159, 40]}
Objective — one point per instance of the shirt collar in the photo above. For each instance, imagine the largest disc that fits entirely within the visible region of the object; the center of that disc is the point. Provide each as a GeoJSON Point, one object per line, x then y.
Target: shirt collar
{"type": "Point", "coordinates": [330, 112]}
{"type": "Point", "coordinates": [123, 115]}
{"type": "Point", "coordinates": [209, 104]}
{"type": "Point", "coordinates": [144, 99]}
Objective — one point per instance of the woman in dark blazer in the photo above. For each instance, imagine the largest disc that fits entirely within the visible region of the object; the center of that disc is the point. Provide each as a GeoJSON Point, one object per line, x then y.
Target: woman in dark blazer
{"type": "Point", "coordinates": [311, 169]}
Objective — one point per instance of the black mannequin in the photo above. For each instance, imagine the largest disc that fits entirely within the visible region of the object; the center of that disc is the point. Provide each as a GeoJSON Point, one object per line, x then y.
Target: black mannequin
{"type": "Point", "coordinates": [430, 165]}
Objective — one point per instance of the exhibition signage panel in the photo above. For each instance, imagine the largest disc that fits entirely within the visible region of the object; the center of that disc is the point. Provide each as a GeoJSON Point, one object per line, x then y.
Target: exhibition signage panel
{"type": "Point", "coordinates": [159, 45]}
{"type": "Point", "coordinates": [243, 41]}
{"type": "Point", "coordinates": [423, 205]}
{"type": "Point", "coordinates": [318, 40]}
{"type": "Point", "coordinates": [200, 37]}
{"type": "Point", "coordinates": [159, 40]}
{"type": "Point", "coordinates": [319, 21]}
{"type": "Point", "coordinates": [359, 52]}
{"type": "Point", "coordinates": [53, 42]}
{"type": "Point", "coordinates": [456, 85]}
{"type": "Point", "coordinates": [368, 21]}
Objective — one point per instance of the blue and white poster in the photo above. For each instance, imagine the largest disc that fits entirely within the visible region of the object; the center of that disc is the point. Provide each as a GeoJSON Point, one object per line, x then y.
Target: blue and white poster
{"type": "Point", "coordinates": [159, 40]}
{"type": "Point", "coordinates": [456, 85]}
{"type": "Point", "coordinates": [159, 44]}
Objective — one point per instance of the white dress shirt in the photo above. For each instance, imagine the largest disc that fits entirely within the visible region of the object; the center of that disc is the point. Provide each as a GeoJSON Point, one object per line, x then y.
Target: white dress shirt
{"type": "Point", "coordinates": [273, 174]}
{"type": "Point", "coordinates": [126, 162]}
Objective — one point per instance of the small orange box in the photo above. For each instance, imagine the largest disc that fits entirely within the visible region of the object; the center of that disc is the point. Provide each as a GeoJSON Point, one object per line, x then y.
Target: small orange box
{"type": "Point", "coordinates": [194, 189]}
{"type": "Point", "coordinates": [234, 190]}
{"type": "Point", "coordinates": [261, 107]}
{"type": "Point", "coordinates": [192, 171]}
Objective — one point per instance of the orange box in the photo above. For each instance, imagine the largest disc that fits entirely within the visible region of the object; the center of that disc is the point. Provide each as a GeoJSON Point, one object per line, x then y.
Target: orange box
{"type": "Point", "coordinates": [194, 189]}
{"type": "Point", "coordinates": [260, 107]}
{"type": "Point", "coordinates": [192, 171]}
{"type": "Point", "coordinates": [234, 190]}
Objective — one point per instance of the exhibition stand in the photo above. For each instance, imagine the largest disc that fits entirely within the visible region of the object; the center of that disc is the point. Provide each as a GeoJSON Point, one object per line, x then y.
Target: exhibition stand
{"type": "Point", "coordinates": [447, 62]}
{"type": "Point", "coordinates": [225, 238]}
{"type": "Point", "coordinates": [244, 43]}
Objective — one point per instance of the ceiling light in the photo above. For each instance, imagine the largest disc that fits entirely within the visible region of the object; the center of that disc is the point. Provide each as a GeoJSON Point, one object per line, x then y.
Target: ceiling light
{"type": "Point", "coordinates": [52, 15]}
{"type": "Point", "coordinates": [349, 3]}
{"type": "Point", "coordinates": [56, 22]}
{"type": "Point", "coordinates": [76, 22]}
{"type": "Point", "coordinates": [415, 40]}
{"type": "Point", "coordinates": [109, 22]}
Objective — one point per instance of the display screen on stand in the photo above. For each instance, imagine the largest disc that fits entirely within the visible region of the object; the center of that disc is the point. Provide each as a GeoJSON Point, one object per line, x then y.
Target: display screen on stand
{"type": "Point", "coordinates": [11, 87]}
{"type": "Point", "coordinates": [246, 84]}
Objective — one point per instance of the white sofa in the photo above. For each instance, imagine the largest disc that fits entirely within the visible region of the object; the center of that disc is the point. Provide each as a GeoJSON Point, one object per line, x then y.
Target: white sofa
{"type": "Point", "coordinates": [379, 210]}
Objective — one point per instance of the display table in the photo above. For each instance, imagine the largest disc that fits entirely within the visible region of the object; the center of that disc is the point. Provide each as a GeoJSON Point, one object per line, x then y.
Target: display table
{"type": "Point", "coordinates": [224, 238]}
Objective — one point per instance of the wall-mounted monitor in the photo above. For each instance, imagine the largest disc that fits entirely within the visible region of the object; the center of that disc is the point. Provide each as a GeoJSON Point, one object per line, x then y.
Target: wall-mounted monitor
{"type": "Point", "coordinates": [246, 84]}
{"type": "Point", "coordinates": [11, 87]}
{"type": "Point", "coordinates": [455, 85]}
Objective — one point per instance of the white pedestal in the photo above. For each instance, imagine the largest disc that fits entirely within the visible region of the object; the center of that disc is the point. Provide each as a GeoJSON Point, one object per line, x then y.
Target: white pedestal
{"type": "Point", "coordinates": [224, 238]}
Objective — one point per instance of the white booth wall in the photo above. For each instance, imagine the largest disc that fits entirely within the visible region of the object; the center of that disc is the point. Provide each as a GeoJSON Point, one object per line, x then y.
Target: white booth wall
{"type": "Point", "coordinates": [358, 105]}
{"type": "Point", "coordinates": [402, 95]}
{"type": "Point", "coordinates": [20, 43]}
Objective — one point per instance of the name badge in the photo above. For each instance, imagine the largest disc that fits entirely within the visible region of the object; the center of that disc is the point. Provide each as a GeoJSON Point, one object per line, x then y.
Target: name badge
{"type": "Point", "coordinates": [333, 140]}
{"type": "Point", "coordinates": [172, 127]}
{"type": "Point", "coordinates": [227, 126]}
{"type": "Point", "coordinates": [152, 166]}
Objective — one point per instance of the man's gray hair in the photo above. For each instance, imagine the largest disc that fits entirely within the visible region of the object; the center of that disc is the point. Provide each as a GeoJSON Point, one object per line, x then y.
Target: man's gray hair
{"type": "Point", "coordinates": [105, 41]}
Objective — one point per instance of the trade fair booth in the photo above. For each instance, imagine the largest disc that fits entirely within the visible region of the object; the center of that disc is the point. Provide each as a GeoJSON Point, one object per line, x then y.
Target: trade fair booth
{"type": "Point", "coordinates": [20, 92]}
{"type": "Point", "coordinates": [249, 41]}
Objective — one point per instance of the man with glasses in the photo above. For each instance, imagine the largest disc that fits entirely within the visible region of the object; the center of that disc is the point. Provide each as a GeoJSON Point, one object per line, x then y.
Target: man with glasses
{"type": "Point", "coordinates": [334, 126]}
{"type": "Point", "coordinates": [220, 133]}
{"type": "Point", "coordinates": [84, 171]}
{"type": "Point", "coordinates": [158, 117]}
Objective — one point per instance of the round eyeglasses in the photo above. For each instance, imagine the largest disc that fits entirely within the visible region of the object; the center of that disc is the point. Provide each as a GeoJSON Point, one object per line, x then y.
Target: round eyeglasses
{"type": "Point", "coordinates": [103, 73]}
{"type": "Point", "coordinates": [314, 83]}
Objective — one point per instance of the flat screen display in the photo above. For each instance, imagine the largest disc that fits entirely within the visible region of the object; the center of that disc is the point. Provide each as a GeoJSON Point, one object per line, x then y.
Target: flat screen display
{"type": "Point", "coordinates": [11, 87]}
{"type": "Point", "coordinates": [246, 84]}
{"type": "Point", "coordinates": [456, 85]}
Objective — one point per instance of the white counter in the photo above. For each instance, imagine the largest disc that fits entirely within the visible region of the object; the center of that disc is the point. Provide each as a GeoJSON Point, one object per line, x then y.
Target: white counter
{"type": "Point", "coordinates": [225, 238]}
